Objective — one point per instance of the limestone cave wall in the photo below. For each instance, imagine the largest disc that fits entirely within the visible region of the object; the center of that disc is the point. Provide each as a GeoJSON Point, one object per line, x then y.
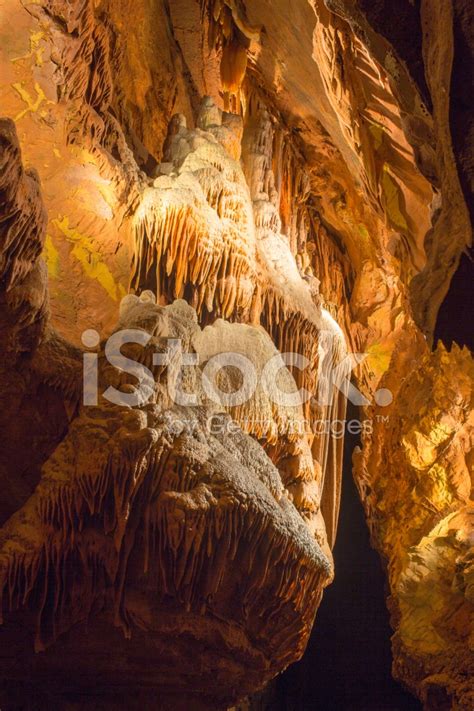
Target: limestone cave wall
{"type": "Point", "coordinates": [254, 177]}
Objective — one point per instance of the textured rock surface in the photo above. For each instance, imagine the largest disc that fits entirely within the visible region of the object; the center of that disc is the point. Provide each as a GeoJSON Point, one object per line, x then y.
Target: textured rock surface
{"type": "Point", "coordinates": [420, 511]}
{"type": "Point", "coordinates": [177, 532]}
{"type": "Point", "coordinates": [303, 172]}
{"type": "Point", "coordinates": [177, 539]}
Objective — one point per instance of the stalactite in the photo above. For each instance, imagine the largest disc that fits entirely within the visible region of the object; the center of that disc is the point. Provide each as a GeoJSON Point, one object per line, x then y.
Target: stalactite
{"type": "Point", "coordinates": [294, 189]}
{"type": "Point", "coordinates": [289, 307]}
{"type": "Point", "coordinates": [194, 229]}
{"type": "Point", "coordinates": [185, 246]}
{"type": "Point", "coordinates": [205, 249]}
{"type": "Point", "coordinates": [304, 441]}
{"type": "Point", "coordinates": [230, 33]}
{"type": "Point", "coordinates": [328, 448]}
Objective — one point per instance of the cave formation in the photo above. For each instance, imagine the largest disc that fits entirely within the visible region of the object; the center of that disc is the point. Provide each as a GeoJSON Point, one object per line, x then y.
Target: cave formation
{"type": "Point", "coordinates": [248, 177]}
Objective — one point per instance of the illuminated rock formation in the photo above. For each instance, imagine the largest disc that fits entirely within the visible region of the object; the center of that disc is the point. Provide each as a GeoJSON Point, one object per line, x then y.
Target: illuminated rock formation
{"type": "Point", "coordinates": [275, 415]}
{"type": "Point", "coordinates": [127, 540]}
{"type": "Point", "coordinates": [194, 231]}
{"type": "Point", "coordinates": [424, 488]}
{"type": "Point", "coordinates": [285, 181]}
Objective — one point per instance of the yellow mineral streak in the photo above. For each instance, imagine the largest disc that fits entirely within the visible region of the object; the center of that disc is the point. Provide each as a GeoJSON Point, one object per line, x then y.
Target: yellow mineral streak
{"type": "Point", "coordinates": [86, 252]}
{"type": "Point", "coordinates": [51, 256]}
{"type": "Point", "coordinates": [32, 104]}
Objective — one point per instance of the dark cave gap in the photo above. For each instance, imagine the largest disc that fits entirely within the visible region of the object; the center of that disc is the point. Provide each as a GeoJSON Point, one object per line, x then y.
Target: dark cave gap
{"type": "Point", "coordinates": [347, 664]}
{"type": "Point", "coordinates": [455, 317]}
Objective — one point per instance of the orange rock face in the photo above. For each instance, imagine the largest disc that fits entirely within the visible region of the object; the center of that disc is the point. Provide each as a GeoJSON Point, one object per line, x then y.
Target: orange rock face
{"type": "Point", "coordinates": [415, 478]}
{"type": "Point", "coordinates": [248, 177]}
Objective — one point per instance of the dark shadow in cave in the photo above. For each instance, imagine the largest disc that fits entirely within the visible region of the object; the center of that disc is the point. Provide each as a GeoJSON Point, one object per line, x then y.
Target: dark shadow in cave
{"type": "Point", "coordinates": [347, 665]}
{"type": "Point", "coordinates": [455, 317]}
